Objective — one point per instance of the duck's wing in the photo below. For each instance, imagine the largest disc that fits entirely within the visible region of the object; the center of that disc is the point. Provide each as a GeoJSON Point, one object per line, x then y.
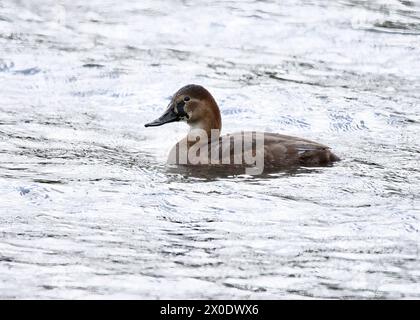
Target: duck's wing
{"type": "Point", "coordinates": [300, 143]}
{"type": "Point", "coordinates": [288, 150]}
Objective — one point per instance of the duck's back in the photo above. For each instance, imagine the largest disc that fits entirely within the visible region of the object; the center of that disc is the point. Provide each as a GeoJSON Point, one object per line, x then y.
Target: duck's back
{"type": "Point", "coordinates": [288, 150]}
{"type": "Point", "coordinates": [283, 150]}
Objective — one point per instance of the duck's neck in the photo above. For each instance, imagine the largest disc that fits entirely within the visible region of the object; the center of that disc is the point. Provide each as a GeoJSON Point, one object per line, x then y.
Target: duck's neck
{"type": "Point", "coordinates": [209, 127]}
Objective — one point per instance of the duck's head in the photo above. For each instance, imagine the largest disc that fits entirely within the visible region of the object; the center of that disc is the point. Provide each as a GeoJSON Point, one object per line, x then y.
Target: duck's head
{"type": "Point", "coordinates": [194, 105]}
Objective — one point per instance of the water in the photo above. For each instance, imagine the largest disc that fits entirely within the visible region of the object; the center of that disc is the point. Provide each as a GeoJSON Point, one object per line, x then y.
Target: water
{"type": "Point", "coordinates": [88, 208]}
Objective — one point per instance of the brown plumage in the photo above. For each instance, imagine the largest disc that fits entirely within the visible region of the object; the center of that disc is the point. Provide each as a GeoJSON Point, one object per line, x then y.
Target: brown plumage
{"type": "Point", "coordinates": [195, 105]}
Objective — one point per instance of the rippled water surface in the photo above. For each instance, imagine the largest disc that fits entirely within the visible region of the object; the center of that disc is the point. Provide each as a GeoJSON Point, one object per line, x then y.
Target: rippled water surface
{"type": "Point", "coordinates": [88, 208]}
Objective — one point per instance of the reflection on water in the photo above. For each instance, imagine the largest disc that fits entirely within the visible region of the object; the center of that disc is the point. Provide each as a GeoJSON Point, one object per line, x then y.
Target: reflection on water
{"type": "Point", "coordinates": [89, 208]}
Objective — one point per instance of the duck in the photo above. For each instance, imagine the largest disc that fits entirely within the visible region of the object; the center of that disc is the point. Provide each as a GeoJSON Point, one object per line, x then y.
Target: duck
{"type": "Point", "coordinates": [194, 105]}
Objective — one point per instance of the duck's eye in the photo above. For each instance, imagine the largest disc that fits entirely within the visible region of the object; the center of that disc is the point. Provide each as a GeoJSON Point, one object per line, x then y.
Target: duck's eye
{"type": "Point", "coordinates": [186, 99]}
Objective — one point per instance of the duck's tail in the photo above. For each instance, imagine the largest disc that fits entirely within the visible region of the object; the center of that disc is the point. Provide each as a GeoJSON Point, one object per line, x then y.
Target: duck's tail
{"type": "Point", "coordinates": [333, 157]}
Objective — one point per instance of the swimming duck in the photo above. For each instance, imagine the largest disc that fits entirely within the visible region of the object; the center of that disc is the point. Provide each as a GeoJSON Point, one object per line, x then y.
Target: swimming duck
{"type": "Point", "coordinates": [195, 105]}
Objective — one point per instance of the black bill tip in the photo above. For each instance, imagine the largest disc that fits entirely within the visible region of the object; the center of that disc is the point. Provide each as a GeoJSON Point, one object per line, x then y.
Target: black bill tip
{"type": "Point", "coordinates": [152, 124]}
{"type": "Point", "coordinates": [155, 123]}
{"type": "Point", "coordinates": [166, 118]}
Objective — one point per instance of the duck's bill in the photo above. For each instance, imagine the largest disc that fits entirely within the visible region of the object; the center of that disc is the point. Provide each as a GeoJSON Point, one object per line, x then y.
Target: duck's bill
{"type": "Point", "coordinates": [167, 117]}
